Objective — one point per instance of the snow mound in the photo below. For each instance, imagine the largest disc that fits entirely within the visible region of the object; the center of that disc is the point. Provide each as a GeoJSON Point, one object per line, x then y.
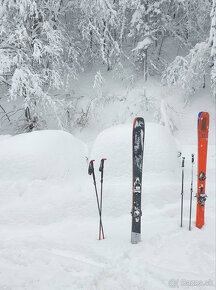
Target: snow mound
{"type": "Point", "coordinates": [42, 155]}
{"type": "Point", "coordinates": [115, 144]}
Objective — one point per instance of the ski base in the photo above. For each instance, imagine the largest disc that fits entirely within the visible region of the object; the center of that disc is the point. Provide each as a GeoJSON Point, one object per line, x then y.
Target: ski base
{"type": "Point", "coordinates": [135, 238]}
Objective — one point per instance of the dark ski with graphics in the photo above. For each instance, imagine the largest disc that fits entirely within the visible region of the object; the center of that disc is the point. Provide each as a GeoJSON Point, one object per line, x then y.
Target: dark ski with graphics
{"type": "Point", "coordinates": [137, 155]}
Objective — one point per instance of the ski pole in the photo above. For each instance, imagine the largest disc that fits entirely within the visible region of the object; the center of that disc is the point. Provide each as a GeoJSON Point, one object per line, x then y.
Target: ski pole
{"type": "Point", "coordinates": [191, 191]}
{"type": "Point", "coordinates": [92, 172]}
{"type": "Point", "coordinates": [182, 190]}
{"type": "Point", "coordinates": [101, 169]}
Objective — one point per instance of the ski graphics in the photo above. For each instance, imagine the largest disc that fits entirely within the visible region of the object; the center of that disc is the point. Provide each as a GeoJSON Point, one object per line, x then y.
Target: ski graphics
{"type": "Point", "coordinates": [203, 128]}
{"type": "Point", "coordinates": [137, 164]}
{"type": "Point", "coordinates": [200, 113]}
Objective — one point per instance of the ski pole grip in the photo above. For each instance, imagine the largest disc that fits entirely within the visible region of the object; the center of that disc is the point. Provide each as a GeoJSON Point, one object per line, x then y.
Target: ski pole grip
{"type": "Point", "coordinates": [183, 160]}
{"type": "Point", "coordinates": [91, 167]}
{"type": "Point", "coordinates": [102, 164]}
{"type": "Point", "coordinates": [192, 158]}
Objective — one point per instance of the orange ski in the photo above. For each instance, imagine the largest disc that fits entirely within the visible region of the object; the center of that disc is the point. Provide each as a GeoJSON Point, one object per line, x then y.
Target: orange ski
{"type": "Point", "coordinates": [203, 128]}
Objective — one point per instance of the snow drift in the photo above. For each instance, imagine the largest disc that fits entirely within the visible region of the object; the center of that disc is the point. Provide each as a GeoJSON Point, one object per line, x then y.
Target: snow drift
{"type": "Point", "coordinates": [49, 227]}
{"type": "Point", "coordinates": [115, 144]}
{"type": "Point", "coordinates": [42, 155]}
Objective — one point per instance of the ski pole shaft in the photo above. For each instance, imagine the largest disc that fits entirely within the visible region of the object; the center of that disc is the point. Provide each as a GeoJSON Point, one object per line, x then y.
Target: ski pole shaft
{"type": "Point", "coordinates": [91, 172]}
{"type": "Point", "coordinates": [100, 215]}
{"type": "Point", "coordinates": [101, 169]}
{"type": "Point", "coordinates": [191, 191]}
{"type": "Point", "coordinates": [182, 190]}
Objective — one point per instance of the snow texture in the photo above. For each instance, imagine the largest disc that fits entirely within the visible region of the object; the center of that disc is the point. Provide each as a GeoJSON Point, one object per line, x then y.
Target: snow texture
{"type": "Point", "coordinates": [40, 155]}
{"type": "Point", "coordinates": [115, 143]}
{"type": "Point", "coordinates": [49, 221]}
{"type": "Point", "coordinates": [144, 44]}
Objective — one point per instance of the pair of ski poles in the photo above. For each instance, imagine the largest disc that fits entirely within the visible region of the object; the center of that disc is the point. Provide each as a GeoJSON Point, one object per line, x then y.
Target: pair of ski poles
{"type": "Point", "coordinates": [191, 190]}
{"type": "Point", "coordinates": [99, 203]}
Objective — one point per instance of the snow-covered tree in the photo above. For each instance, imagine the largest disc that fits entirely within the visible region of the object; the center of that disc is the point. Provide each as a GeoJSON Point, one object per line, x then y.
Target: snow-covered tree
{"type": "Point", "coordinates": [101, 26]}
{"type": "Point", "coordinates": [32, 51]}
{"type": "Point", "coordinates": [145, 29]}
{"type": "Point", "coordinates": [46, 42]}
{"type": "Point", "coordinates": [98, 84]}
{"type": "Point", "coordinates": [189, 72]}
{"type": "Point", "coordinates": [189, 21]}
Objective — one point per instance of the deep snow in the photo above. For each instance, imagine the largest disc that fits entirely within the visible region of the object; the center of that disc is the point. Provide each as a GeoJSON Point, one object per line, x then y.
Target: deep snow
{"type": "Point", "coordinates": [49, 221]}
{"type": "Point", "coordinates": [48, 213]}
{"type": "Point", "coordinates": [41, 155]}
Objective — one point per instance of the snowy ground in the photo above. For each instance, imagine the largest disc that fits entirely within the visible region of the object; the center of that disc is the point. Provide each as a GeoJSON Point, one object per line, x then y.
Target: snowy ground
{"type": "Point", "coordinates": [49, 221]}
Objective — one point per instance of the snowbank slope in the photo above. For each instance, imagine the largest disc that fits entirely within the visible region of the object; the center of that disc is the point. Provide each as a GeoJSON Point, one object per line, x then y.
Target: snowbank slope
{"type": "Point", "coordinates": [42, 155]}
{"type": "Point", "coordinates": [115, 144]}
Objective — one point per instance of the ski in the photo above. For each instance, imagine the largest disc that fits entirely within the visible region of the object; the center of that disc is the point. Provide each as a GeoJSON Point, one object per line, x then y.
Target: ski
{"type": "Point", "coordinates": [203, 128]}
{"type": "Point", "coordinates": [137, 164]}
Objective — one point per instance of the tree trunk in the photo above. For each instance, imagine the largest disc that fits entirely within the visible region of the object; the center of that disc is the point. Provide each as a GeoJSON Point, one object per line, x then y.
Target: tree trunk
{"type": "Point", "coordinates": [145, 65]}
{"type": "Point", "coordinates": [204, 81]}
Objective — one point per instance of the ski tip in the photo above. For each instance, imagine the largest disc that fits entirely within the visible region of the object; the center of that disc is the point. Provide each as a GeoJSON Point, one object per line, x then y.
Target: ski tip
{"type": "Point", "coordinates": [199, 114]}
{"type": "Point", "coordinates": [203, 122]}
{"type": "Point", "coordinates": [203, 114]}
{"type": "Point", "coordinates": [138, 118]}
{"type": "Point", "coordinates": [92, 160]}
{"type": "Point", "coordinates": [138, 121]}
{"type": "Point", "coordinates": [103, 159]}
{"type": "Point", "coordinates": [134, 121]}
